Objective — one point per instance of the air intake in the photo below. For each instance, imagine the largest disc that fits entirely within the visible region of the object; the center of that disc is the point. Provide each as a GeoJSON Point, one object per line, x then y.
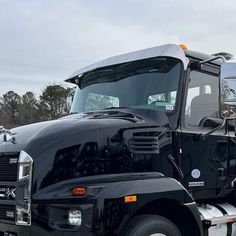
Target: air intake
{"type": "Point", "coordinates": [144, 145]}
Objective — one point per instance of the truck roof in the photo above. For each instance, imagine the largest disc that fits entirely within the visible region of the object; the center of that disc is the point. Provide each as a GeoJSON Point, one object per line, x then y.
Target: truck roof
{"type": "Point", "coordinates": [202, 56]}
{"type": "Point", "coordinates": [168, 50]}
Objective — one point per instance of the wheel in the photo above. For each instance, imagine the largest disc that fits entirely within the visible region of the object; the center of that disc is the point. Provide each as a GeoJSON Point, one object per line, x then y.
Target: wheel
{"type": "Point", "coordinates": [151, 225]}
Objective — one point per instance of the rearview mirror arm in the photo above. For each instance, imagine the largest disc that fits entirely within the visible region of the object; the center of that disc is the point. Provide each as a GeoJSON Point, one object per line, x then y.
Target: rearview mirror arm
{"type": "Point", "coordinates": [198, 64]}
{"type": "Point", "coordinates": [213, 59]}
{"type": "Point", "coordinates": [203, 136]}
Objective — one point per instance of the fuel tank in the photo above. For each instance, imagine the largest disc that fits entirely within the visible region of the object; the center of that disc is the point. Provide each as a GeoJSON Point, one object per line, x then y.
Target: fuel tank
{"type": "Point", "coordinates": [220, 219]}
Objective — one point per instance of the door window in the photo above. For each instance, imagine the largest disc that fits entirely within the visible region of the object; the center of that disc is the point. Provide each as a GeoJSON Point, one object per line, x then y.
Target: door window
{"type": "Point", "coordinates": [202, 98]}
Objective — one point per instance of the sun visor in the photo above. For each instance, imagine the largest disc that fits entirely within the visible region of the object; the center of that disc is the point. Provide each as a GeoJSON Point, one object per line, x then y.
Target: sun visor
{"type": "Point", "coordinates": [168, 50]}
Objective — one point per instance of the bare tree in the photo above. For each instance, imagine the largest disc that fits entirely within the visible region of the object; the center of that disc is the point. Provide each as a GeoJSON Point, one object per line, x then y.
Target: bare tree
{"type": "Point", "coordinates": [52, 103]}
{"type": "Point", "coordinates": [18, 110]}
{"type": "Point", "coordinates": [29, 112]}
{"type": "Point", "coordinates": [10, 105]}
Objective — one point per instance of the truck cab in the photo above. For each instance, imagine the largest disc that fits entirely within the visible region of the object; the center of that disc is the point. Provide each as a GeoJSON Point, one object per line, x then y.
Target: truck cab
{"type": "Point", "coordinates": [147, 149]}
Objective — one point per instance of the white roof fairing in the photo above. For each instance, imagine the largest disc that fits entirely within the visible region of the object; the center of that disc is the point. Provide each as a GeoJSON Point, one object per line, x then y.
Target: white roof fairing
{"type": "Point", "coordinates": [167, 50]}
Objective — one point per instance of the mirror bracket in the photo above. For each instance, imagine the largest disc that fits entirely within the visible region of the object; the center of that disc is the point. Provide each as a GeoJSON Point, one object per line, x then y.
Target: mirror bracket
{"type": "Point", "coordinates": [203, 136]}
{"type": "Point", "coordinates": [213, 59]}
{"type": "Point", "coordinates": [196, 65]}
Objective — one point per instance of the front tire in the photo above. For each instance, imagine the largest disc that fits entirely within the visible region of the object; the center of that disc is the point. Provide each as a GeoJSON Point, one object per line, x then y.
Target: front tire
{"type": "Point", "coordinates": [151, 225]}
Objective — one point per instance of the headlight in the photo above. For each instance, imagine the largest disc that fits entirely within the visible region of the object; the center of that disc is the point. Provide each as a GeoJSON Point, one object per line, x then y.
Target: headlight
{"type": "Point", "coordinates": [23, 206]}
{"type": "Point", "coordinates": [75, 217]}
{"type": "Point", "coordinates": [25, 166]}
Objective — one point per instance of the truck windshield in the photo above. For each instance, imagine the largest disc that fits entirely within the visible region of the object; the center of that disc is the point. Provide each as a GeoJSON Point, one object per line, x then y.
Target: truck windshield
{"type": "Point", "coordinates": [145, 84]}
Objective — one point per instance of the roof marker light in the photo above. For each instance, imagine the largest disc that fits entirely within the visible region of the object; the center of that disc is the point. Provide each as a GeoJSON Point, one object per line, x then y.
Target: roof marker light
{"type": "Point", "coordinates": [183, 46]}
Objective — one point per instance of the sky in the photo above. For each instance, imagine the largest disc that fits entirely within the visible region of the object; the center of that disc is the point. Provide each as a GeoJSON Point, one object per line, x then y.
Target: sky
{"type": "Point", "coordinates": [43, 42]}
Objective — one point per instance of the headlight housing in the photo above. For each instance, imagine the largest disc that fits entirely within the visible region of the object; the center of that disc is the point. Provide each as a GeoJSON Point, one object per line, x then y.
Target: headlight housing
{"type": "Point", "coordinates": [25, 166]}
{"type": "Point", "coordinates": [23, 207]}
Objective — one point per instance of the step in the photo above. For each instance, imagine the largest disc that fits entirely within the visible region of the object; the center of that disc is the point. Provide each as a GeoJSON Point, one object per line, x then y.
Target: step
{"type": "Point", "coordinates": [220, 220]}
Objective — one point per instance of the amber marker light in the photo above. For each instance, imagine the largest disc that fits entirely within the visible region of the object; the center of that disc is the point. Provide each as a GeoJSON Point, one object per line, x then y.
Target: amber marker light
{"type": "Point", "coordinates": [79, 191]}
{"type": "Point", "coordinates": [129, 199]}
{"type": "Point", "coordinates": [183, 46]}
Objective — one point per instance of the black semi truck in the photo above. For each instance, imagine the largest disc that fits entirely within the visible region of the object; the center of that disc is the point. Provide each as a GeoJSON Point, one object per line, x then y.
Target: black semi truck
{"type": "Point", "coordinates": [148, 149]}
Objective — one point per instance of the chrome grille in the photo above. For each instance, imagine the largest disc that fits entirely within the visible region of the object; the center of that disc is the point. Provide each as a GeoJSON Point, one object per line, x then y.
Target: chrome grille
{"type": "Point", "coordinates": [8, 167]}
{"type": "Point", "coordinates": [7, 212]}
{"type": "Point", "coordinates": [7, 233]}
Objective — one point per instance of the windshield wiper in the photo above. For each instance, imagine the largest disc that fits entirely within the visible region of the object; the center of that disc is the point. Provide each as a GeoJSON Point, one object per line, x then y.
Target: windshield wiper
{"type": "Point", "coordinates": [111, 108]}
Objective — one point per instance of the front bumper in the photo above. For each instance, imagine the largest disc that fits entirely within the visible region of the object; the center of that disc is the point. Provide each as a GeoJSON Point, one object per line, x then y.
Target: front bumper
{"type": "Point", "coordinates": [52, 220]}
{"type": "Point", "coordinates": [34, 230]}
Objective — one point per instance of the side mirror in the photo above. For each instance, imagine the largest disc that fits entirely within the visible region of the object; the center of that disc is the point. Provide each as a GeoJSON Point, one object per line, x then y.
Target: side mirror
{"type": "Point", "coordinates": [228, 90]}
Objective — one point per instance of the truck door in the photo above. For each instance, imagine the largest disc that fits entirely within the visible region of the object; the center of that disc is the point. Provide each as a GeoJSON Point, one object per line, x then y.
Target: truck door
{"type": "Point", "coordinates": [204, 160]}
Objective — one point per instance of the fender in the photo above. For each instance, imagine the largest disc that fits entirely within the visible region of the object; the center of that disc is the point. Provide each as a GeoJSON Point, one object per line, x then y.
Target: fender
{"type": "Point", "coordinates": [148, 192]}
{"type": "Point", "coordinates": [118, 185]}
{"type": "Point", "coordinates": [107, 193]}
